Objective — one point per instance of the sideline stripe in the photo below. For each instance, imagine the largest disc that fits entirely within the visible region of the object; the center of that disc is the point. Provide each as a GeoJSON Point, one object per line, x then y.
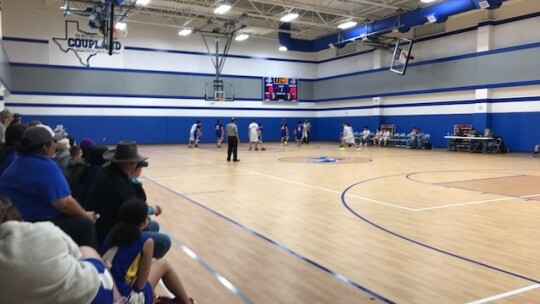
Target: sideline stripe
{"type": "Point", "coordinates": [214, 273]}
{"type": "Point", "coordinates": [195, 176]}
{"type": "Point", "coordinates": [328, 190]}
{"type": "Point", "coordinates": [505, 198]}
{"type": "Point", "coordinates": [506, 294]}
{"type": "Point", "coordinates": [344, 202]}
{"type": "Point", "coordinates": [303, 258]}
{"type": "Point", "coordinates": [244, 171]}
{"type": "Point", "coordinates": [524, 197]}
{"type": "Point", "coordinates": [469, 203]}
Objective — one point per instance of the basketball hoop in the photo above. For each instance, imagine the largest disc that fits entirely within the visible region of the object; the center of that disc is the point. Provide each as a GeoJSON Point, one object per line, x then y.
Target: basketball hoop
{"type": "Point", "coordinates": [219, 95]}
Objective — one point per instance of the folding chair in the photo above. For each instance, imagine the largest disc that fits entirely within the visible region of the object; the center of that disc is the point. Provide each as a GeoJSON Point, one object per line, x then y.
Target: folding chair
{"type": "Point", "coordinates": [497, 146]}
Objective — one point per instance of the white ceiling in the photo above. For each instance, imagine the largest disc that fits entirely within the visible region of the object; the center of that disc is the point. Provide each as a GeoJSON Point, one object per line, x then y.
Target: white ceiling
{"type": "Point", "coordinates": [260, 17]}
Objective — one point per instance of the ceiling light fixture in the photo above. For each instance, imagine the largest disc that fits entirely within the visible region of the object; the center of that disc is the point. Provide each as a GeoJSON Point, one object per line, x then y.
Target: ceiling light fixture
{"type": "Point", "coordinates": [185, 32]}
{"type": "Point", "coordinates": [346, 25]}
{"type": "Point", "coordinates": [289, 17]}
{"type": "Point", "coordinates": [241, 37]}
{"type": "Point", "coordinates": [120, 26]}
{"type": "Point", "coordinates": [428, 1]}
{"type": "Point", "coordinates": [222, 9]}
{"type": "Point", "coordinates": [282, 48]}
{"type": "Point", "coordinates": [142, 2]}
{"type": "Point", "coordinates": [121, 29]}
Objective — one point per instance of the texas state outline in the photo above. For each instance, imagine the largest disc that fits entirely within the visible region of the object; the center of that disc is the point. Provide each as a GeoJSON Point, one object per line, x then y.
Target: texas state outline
{"type": "Point", "coordinates": [73, 26]}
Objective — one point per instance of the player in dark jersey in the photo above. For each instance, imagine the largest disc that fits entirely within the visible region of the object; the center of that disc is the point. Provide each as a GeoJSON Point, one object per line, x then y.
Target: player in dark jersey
{"type": "Point", "coordinates": [260, 137]}
{"type": "Point", "coordinates": [298, 131]}
{"type": "Point", "coordinates": [284, 131]}
{"type": "Point", "coordinates": [219, 132]}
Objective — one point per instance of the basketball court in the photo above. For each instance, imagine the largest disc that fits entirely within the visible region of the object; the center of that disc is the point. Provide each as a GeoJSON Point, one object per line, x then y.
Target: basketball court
{"type": "Point", "coordinates": [312, 224]}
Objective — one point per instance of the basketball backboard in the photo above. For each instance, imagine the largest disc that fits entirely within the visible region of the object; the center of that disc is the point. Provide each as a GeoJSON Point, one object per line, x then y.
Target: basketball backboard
{"type": "Point", "coordinates": [219, 91]}
{"type": "Point", "coordinates": [402, 55]}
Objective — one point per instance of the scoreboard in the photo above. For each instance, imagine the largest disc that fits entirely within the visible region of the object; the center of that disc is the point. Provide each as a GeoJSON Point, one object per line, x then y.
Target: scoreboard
{"type": "Point", "coordinates": [280, 89]}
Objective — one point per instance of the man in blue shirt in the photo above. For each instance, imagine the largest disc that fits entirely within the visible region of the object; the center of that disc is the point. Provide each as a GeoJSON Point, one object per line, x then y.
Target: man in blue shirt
{"type": "Point", "coordinates": [37, 187]}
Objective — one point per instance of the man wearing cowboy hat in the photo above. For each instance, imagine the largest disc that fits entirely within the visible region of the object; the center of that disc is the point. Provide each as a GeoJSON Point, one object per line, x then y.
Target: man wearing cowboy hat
{"type": "Point", "coordinates": [112, 187]}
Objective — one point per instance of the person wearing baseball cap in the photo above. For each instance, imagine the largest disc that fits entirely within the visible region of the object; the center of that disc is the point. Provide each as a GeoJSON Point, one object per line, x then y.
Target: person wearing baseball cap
{"type": "Point", "coordinates": [38, 188]}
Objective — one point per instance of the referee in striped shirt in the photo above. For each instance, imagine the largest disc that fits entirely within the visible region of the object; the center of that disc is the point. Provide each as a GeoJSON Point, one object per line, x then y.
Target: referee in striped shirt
{"type": "Point", "coordinates": [232, 140]}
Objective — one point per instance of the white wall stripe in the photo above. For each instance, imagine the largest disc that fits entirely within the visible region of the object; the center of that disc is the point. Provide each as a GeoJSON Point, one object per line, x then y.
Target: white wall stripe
{"type": "Point", "coordinates": [359, 107]}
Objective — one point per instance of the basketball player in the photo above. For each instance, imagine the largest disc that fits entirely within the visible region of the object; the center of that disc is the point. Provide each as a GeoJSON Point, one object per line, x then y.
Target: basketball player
{"type": "Point", "coordinates": [219, 132]}
{"type": "Point", "coordinates": [253, 134]}
{"type": "Point", "coordinates": [284, 131]}
{"type": "Point", "coordinates": [260, 136]}
{"type": "Point", "coordinates": [347, 138]}
{"type": "Point", "coordinates": [298, 132]}
{"type": "Point", "coordinates": [194, 134]}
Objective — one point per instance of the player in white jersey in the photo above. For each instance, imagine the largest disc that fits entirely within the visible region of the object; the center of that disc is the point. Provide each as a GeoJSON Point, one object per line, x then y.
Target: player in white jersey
{"type": "Point", "coordinates": [194, 134]}
{"type": "Point", "coordinates": [347, 137]}
{"type": "Point", "coordinates": [253, 134]}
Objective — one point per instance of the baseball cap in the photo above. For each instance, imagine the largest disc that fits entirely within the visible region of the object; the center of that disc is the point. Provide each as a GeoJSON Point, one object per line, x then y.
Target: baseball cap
{"type": "Point", "coordinates": [39, 135]}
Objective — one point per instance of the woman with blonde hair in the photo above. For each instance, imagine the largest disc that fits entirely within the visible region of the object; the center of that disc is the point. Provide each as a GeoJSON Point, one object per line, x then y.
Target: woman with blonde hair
{"type": "Point", "coordinates": [6, 117]}
{"type": "Point", "coordinates": [62, 155]}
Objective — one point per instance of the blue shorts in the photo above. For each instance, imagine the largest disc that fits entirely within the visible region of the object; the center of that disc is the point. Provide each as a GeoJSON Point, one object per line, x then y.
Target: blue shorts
{"type": "Point", "coordinates": [105, 291]}
{"type": "Point", "coordinates": [148, 294]}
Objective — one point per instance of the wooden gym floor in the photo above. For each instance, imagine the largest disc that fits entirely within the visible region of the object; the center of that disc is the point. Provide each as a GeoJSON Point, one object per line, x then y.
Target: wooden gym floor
{"type": "Point", "coordinates": [313, 224]}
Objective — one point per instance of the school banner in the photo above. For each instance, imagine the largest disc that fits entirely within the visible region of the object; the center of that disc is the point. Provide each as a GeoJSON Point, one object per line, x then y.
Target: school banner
{"type": "Point", "coordinates": [79, 45]}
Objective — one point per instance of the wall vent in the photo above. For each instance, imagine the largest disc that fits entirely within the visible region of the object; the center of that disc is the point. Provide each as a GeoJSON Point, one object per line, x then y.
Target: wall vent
{"type": "Point", "coordinates": [483, 4]}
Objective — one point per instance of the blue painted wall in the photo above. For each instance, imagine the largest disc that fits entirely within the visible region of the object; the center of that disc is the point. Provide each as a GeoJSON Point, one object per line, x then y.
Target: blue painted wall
{"type": "Point", "coordinates": [109, 130]}
{"type": "Point", "coordinates": [517, 129]}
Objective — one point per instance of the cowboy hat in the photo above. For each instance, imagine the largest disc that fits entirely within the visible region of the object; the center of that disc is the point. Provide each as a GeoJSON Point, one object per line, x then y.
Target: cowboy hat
{"type": "Point", "coordinates": [125, 152]}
